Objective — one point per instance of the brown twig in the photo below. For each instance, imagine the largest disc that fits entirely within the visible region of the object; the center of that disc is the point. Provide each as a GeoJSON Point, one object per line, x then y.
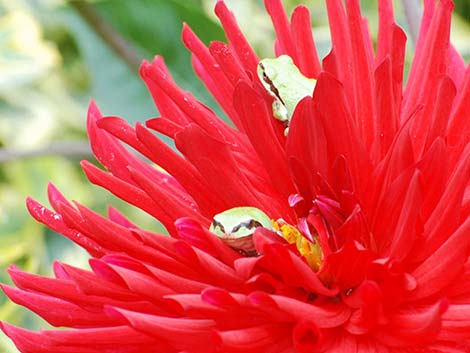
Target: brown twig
{"type": "Point", "coordinates": [110, 36]}
{"type": "Point", "coordinates": [68, 149]}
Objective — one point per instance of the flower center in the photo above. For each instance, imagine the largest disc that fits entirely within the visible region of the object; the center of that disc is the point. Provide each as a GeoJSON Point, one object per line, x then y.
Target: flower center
{"type": "Point", "coordinates": [311, 251]}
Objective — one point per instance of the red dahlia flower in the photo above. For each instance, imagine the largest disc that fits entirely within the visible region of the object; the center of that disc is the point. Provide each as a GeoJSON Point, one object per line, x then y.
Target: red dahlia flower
{"type": "Point", "coordinates": [368, 250]}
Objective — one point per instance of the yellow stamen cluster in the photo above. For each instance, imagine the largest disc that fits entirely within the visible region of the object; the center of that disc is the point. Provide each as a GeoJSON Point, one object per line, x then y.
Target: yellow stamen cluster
{"type": "Point", "coordinates": [311, 251]}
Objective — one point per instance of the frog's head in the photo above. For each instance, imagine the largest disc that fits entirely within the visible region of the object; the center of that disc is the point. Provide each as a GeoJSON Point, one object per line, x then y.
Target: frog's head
{"type": "Point", "coordinates": [236, 227]}
{"type": "Point", "coordinates": [239, 222]}
{"type": "Point", "coordinates": [274, 71]}
{"type": "Point", "coordinates": [284, 81]}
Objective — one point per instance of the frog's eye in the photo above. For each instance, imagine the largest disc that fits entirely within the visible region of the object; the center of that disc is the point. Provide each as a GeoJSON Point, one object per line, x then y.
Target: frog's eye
{"type": "Point", "coordinates": [217, 227]}
{"type": "Point", "coordinates": [270, 72]}
{"type": "Point", "coordinates": [285, 60]}
{"type": "Point", "coordinates": [249, 225]}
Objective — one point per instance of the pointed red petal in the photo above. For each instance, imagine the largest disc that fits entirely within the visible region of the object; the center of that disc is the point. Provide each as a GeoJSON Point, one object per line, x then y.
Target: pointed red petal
{"type": "Point", "coordinates": [362, 67]}
{"type": "Point", "coordinates": [301, 28]}
{"type": "Point", "coordinates": [236, 38]}
{"type": "Point", "coordinates": [262, 136]}
{"type": "Point", "coordinates": [282, 27]}
{"type": "Point", "coordinates": [442, 266]}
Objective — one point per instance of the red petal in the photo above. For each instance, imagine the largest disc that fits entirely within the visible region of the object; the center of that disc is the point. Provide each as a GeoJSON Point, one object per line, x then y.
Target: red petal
{"type": "Point", "coordinates": [442, 106]}
{"type": "Point", "coordinates": [110, 152]}
{"type": "Point", "coordinates": [127, 192]}
{"type": "Point", "coordinates": [413, 327]}
{"type": "Point", "coordinates": [164, 126]}
{"type": "Point", "coordinates": [294, 270]}
{"type": "Point", "coordinates": [102, 339]}
{"type": "Point", "coordinates": [192, 232]}
{"type": "Point", "coordinates": [53, 287]}
{"type": "Point", "coordinates": [236, 38]}
{"type": "Point", "coordinates": [262, 136]}
{"type": "Point", "coordinates": [458, 130]}
{"type": "Point", "coordinates": [138, 283]}
{"type": "Point", "coordinates": [55, 196]}
{"type": "Point", "coordinates": [162, 196]}
{"type": "Point", "coordinates": [267, 338]}
{"type": "Point", "coordinates": [117, 217]}
{"type": "Point", "coordinates": [55, 222]}
{"type": "Point", "coordinates": [432, 66]}
{"type": "Point", "coordinates": [301, 28]}
{"type": "Point", "coordinates": [165, 104]}
{"type": "Point", "coordinates": [387, 116]}
{"type": "Point", "coordinates": [209, 268]}
{"type": "Point", "coordinates": [197, 112]}
{"type": "Point", "coordinates": [408, 225]}
{"type": "Point", "coordinates": [398, 63]}
{"type": "Point", "coordinates": [121, 129]}
{"type": "Point", "coordinates": [362, 67]}
{"type": "Point", "coordinates": [187, 175]}
{"type": "Point", "coordinates": [229, 63]}
{"type": "Point", "coordinates": [306, 140]}
{"type": "Point", "coordinates": [227, 182]}
{"type": "Point", "coordinates": [325, 315]}
{"type": "Point", "coordinates": [386, 23]}
{"type": "Point", "coordinates": [27, 341]}
{"type": "Point", "coordinates": [306, 337]}
{"type": "Point", "coordinates": [57, 312]}
{"type": "Point", "coordinates": [446, 216]}
{"type": "Point", "coordinates": [434, 171]}
{"type": "Point", "coordinates": [456, 324]}
{"type": "Point", "coordinates": [182, 333]}
{"type": "Point", "coordinates": [97, 287]}
{"type": "Point", "coordinates": [211, 74]}
{"type": "Point", "coordinates": [348, 266]}
{"type": "Point", "coordinates": [282, 27]}
{"type": "Point", "coordinates": [442, 266]}
{"type": "Point", "coordinates": [341, 52]}
{"type": "Point", "coordinates": [340, 130]}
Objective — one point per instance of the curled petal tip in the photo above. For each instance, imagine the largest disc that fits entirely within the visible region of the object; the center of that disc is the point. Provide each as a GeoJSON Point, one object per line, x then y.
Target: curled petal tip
{"type": "Point", "coordinates": [218, 297]}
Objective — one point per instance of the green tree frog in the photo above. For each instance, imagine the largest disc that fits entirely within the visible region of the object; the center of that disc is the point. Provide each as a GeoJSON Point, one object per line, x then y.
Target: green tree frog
{"type": "Point", "coordinates": [237, 225]}
{"type": "Point", "coordinates": [284, 81]}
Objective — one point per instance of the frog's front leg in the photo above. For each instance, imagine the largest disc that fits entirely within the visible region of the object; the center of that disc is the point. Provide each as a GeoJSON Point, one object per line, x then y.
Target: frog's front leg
{"type": "Point", "coordinates": [280, 111]}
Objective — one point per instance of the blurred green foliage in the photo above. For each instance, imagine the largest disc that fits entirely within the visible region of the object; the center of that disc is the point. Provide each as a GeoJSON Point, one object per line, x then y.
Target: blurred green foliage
{"type": "Point", "coordinates": [52, 62]}
{"type": "Point", "coordinates": [463, 8]}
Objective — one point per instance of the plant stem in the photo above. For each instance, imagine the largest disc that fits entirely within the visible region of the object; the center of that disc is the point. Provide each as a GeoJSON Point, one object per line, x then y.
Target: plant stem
{"type": "Point", "coordinates": [109, 35]}
{"type": "Point", "coordinates": [68, 149]}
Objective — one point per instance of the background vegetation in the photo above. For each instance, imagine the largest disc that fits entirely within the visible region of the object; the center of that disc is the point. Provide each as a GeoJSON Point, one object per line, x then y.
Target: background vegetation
{"type": "Point", "coordinates": [54, 56]}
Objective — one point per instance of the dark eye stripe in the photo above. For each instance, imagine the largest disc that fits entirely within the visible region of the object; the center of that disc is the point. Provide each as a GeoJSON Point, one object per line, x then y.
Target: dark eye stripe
{"type": "Point", "coordinates": [216, 223]}
{"type": "Point", "coordinates": [252, 223]}
{"type": "Point", "coordinates": [270, 83]}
